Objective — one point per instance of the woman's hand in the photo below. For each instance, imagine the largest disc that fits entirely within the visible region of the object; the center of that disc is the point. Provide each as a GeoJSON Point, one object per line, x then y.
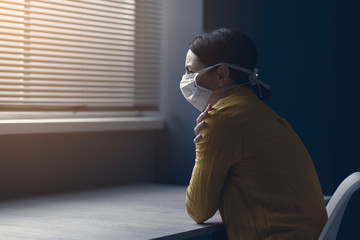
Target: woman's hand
{"type": "Point", "coordinates": [200, 123]}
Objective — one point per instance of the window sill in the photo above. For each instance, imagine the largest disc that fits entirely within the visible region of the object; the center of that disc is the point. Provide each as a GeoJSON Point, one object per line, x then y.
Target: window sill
{"type": "Point", "coordinates": [31, 126]}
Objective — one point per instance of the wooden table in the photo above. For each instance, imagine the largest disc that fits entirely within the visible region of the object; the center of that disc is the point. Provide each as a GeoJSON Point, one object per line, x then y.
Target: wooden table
{"type": "Point", "coordinates": [133, 212]}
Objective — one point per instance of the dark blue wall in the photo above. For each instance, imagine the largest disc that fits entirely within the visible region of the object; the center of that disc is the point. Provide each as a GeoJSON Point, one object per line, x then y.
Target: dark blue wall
{"type": "Point", "coordinates": [309, 54]}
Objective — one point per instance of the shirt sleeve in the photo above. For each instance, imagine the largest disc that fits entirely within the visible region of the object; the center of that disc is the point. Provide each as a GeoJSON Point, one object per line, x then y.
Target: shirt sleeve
{"type": "Point", "coordinates": [215, 154]}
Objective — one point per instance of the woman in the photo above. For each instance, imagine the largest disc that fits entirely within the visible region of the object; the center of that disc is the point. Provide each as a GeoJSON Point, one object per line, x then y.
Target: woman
{"type": "Point", "coordinates": [250, 164]}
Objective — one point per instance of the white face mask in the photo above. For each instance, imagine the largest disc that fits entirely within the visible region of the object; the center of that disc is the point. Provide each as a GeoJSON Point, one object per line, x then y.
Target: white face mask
{"type": "Point", "coordinates": [198, 96]}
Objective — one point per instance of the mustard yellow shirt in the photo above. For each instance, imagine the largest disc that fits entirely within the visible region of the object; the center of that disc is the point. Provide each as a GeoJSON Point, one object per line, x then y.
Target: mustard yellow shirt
{"type": "Point", "coordinates": [252, 166]}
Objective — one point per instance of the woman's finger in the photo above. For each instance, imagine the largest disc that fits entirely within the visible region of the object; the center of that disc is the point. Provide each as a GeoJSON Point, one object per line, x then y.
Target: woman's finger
{"type": "Point", "coordinates": [201, 117]}
{"type": "Point", "coordinates": [203, 114]}
{"type": "Point", "coordinates": [197, 138]}
{"type": "Point", "coordinates": [198, 127]}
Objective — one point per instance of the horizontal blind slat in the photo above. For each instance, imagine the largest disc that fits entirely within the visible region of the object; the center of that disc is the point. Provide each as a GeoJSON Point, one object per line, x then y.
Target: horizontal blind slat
{"type": "Point", "coordinates": [70, 22]}
{"type": "Point", "coordinates": [55, 95]}
{"type": "Point", "coordinates": [127, 4]}
{"type": "Point", "coordinates": [69, 35]}
{"type": "Point", "coordinates": [73, 62]}
{"type": "Point", "coordinates": [21, 112]}
{"type": "Point", "coordinates": [28, 9]}
{"type": "Point", "coordinates": [94, 5]}
{"type": "Point", "coordinates": [75, 48]}
{"type": "Point", "coordinates": [37, 24]}
{"type": "Point", "coordinates": [88, 9]}
{"type": "Point", "coordinates": [77, 89]}
{"type": "Point", "coordinates": [28, 37]}
{"type": "Point", "coordinates": [142, 79]}
{"type": "Point", "coordinates": [79, 102]}
{"type": "Point", "coordinates": [45, 66]}
{"type": "Point", "coordinates": [141, 86]}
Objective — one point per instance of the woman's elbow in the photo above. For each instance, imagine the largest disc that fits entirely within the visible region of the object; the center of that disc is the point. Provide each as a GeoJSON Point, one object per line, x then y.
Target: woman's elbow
{"type": "Point", "coordinates": [199, 215]}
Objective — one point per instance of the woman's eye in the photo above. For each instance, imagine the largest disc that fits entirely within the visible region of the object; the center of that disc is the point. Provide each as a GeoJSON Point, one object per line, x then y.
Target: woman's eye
{"type": "Point", "coordinates": [188, 71]}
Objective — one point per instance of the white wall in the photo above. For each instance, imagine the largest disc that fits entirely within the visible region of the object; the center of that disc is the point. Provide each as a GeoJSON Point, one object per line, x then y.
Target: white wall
{"type": "Point", "coordinates": [182, 20]}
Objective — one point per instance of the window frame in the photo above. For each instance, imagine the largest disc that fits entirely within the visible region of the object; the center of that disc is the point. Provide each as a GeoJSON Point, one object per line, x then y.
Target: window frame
{"type": "Point", "coordinates": [39, 126]}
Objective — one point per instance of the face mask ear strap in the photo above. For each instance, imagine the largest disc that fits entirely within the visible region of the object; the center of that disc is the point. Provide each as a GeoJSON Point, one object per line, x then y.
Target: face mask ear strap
{"type": "Point", "coordinates": [208, 68]}
{"type": "Point", "coordinates": [253, 79]}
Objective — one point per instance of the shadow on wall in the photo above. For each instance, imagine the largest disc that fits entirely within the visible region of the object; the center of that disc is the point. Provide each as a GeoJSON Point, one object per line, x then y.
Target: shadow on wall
{"type": "Point", "coordinates": [36, 164]}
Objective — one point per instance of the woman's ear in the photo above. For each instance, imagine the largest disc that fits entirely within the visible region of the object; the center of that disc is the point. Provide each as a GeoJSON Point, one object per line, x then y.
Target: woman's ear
{"type": "Point", "coordinates": [223, 76]}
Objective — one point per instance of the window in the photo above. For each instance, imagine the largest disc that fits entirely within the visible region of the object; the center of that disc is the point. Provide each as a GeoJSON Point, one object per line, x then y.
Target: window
{"type": "Point", "coordinates": [80, 58]}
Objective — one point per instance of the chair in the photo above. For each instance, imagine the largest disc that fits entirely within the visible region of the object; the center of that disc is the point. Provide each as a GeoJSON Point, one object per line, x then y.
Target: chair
{"type": "Point", "coordinates": [337, 205]}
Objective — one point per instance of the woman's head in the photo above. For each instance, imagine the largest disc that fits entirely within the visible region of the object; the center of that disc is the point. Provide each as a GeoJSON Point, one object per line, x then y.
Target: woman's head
{"type": "Point", "coordinates": [229, 46]}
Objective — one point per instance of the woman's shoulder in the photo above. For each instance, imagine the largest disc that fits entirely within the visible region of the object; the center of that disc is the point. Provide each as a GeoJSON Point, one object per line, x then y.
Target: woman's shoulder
{"type": "Point", "coordinates": [233, 106]}
{"type": "Point", "coordinates": [241, 109]}
{"type": "Point", "coordinates": [226, 115]}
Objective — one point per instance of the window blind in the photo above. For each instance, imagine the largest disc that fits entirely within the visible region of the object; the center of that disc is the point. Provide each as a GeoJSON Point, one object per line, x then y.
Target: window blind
{"type": "Point", "coordinates": [79, 56]}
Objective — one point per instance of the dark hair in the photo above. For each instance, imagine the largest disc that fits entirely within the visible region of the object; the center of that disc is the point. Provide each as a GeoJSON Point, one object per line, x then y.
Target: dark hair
{"type": "Point", "coordinates": [230, 46]}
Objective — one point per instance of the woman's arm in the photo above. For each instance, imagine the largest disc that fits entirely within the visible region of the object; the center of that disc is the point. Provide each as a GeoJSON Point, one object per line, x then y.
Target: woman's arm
{"type": "Point", "coordinates": [214, 157]}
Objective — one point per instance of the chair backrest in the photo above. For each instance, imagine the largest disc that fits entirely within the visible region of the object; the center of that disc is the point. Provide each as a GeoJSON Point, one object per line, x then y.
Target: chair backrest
{"type": "Point", "coordinates": [337, 205]}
